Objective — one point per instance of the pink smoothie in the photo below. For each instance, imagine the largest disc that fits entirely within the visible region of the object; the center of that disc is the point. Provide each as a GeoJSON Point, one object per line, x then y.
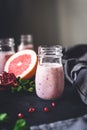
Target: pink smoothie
{"type": "Point", "coordinates": [3, 58]}
{"type": "Point", "coordinates": [49, 81]}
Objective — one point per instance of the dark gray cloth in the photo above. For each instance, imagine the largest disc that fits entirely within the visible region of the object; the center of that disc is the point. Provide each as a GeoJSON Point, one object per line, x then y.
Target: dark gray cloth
{"type": "Point", "coordinates": [75, 68]}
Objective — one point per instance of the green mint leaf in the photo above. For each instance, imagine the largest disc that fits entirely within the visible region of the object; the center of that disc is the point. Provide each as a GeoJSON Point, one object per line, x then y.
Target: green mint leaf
{"type": "Point", "coordinates": [19, 88]}
{"type": "Point", "coordinates": [13, 89]}
{"type": "Point", "coordinates": [25, 82]}
{"type": "Point", "coordinates": [20, 125]}
{"type": "Point", "coordinates": [3, 116]}
{"type": "Point", "coordinates": [31, 89]}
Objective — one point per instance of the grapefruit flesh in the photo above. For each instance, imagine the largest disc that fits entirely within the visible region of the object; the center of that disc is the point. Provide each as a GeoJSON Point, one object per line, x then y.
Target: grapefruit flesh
{"type": "Point", "coordinates": [22, 64]}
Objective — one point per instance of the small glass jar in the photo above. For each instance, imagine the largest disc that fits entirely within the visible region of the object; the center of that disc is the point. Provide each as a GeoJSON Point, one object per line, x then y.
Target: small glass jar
{"type": "Point", "coordinates": [26, 42]}
{"type": "Point", "coordinates": [49, 78]}
{"type": "Point", "coordinates": [7, 48]}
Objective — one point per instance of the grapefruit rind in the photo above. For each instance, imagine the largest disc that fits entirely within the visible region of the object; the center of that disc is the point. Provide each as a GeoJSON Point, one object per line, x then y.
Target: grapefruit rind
{"type": "Point", "coordinates": [30, 71]}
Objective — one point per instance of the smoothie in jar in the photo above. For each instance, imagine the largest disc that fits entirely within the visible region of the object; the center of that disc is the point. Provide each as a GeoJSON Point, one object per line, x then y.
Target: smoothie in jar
{"type": "Point", "coordinates": [49, 81]}
{"type": "Point", "coordinates": [26, 42]}
{"type": "Point", "coordinates": [4, 56]}
{"type": "Point", "coordinates": [6, 50]}
{"type": "Point", "coordinates": [49, 78]}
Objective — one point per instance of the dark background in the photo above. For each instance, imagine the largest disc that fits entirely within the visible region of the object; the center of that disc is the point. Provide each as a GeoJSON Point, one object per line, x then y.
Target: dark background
{"type": "Point", "coordinates": [36, 17]}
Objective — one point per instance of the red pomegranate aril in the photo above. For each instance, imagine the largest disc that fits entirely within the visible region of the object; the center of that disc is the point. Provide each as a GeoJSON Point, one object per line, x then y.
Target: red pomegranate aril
{"type": "Point", "coordinates": [20, 115]}
{"type": "Point", "coordinates": [53, 104]}
{"type": "Point", "coordinates": [46, 109]}
{"type": "Point", "coordinates": [31, 109]}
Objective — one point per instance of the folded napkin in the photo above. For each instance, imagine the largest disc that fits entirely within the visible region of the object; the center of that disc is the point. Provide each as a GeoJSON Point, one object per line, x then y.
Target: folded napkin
{"type": "Point", "coordinates": [79, 123]}
{"type": "Point", "coordinates": [75, 68]}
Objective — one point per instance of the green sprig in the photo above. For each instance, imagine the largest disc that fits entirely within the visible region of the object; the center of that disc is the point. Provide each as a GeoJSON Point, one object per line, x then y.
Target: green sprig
{"type": "Point", "coordinates": [25, 85]}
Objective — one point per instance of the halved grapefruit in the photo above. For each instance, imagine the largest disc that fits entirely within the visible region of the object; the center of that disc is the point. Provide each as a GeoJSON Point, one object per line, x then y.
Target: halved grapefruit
{"type": "Point", "coordinates": [22, 64]}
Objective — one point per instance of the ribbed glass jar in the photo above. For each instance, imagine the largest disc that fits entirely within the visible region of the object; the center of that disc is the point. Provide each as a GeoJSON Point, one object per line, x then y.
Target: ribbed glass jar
{"type": "Point", "coordinates": [26, 42]}
{"type": "Point", "coordinates": [7, 48]}
{"type": "Point", "coordinates": [49, 79]}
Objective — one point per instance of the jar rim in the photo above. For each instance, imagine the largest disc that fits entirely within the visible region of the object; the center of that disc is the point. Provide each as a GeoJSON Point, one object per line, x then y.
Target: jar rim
{"type": "Point", "coordinates": [50, 46]}
{"type": "Point", "coordinates": [50, 50]}
{"type": "Point", "coordinates": [7, 41]}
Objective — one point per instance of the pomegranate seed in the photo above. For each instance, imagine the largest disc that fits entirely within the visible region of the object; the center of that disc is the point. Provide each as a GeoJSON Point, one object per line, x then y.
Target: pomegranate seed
{"type": "Point", "coordinates": [31, 109]}
{"type": "Point", "coordinates": [53, 104]}
{"type": "Point", "coordinates": [20, 115]}
{"type": "Point", "coordinates": [46, 109]}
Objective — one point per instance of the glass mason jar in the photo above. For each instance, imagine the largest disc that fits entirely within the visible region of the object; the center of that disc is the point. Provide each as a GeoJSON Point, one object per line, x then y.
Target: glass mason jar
{"type": "Point", "coordinates": [26, 42]}
{"type": "Point", "coordinates": [49, 78]}
{"type": "Point", "coordinates": [7, 48]}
